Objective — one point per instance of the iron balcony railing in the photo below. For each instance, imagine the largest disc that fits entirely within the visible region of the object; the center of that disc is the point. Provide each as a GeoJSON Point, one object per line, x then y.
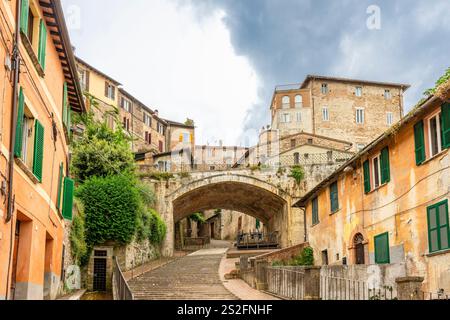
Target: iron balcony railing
{"type": "Point", "coordinates": [122, 288]}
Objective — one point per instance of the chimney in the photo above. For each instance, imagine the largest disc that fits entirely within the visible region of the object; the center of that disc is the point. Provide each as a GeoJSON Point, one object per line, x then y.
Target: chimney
{"type": "Point", "coordinates": [157, 113]}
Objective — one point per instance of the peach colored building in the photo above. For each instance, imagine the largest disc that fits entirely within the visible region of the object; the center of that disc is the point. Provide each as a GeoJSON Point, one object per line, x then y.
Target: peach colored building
{"type": "Point", "coordinates": [36, 192]}
{"type": "Point", "coordinates": [389, 204]}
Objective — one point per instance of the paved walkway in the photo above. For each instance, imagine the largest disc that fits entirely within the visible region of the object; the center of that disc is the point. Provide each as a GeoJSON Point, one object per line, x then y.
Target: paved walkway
{"type": "Point", "coordinates": [193, 277]}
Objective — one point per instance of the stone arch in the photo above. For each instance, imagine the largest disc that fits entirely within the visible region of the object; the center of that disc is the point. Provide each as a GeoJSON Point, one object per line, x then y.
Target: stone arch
{"type": "Point", "coordinates": [242, 193]}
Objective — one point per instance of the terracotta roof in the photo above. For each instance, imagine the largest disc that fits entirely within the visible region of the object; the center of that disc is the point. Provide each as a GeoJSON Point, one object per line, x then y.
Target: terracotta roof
{"type": "Point", "coordinates": [56, 24]}
{"type": "Point", "coordinates": [381, 83]}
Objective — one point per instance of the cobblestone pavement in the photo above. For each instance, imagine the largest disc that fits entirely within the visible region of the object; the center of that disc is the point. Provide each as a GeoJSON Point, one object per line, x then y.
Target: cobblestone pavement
{"type": "Point", "coordinates": [193, 277]}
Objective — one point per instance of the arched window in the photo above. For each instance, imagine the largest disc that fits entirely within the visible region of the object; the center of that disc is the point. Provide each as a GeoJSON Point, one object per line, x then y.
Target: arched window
{"type": "Point", "coordinates": [358, 243]}
{"type": "Point", "coordinates": [286, 102]}
{"type": "Point", "coordinates": [298, 101]}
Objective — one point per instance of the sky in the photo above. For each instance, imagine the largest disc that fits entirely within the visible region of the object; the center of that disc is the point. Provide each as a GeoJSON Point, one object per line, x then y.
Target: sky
{"type": "Point", "coordinates": [218, 61]}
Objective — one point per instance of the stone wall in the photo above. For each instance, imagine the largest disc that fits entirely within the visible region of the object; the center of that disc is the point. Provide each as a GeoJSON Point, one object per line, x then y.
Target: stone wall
{"type": "Point", "coordinates": [136, 254]}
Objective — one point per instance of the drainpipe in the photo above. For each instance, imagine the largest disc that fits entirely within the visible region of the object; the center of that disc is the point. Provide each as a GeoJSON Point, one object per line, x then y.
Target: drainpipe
{"type": "Point", "coordinates": [305, 227]}
{"type": "Point", "coordinates": [16, 74]}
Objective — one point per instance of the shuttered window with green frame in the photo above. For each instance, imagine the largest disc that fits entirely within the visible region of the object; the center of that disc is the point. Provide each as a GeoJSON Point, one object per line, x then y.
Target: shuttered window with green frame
{"type": "Point", "coordinates": [38, 159]}
{"type": "Point", "coordinates": [334, 197]}
{"type": "Point", "coordinates": [60, 186]}
{"type": "Point", "coordinates": [69, 188]}
{"type": "Point", "coordinates": [19, 125]}
{"type": "Point", "coordinates": [315, 211]}
{"type": "Point", "coordinates": [385, 166]}
{"type": "Point", "coordinates": [445, 116]}
{"type": "Point", "coordinates": [42, 48]}
{"type": "Point", "coordinates": [366, 169]}
{"type": "Point", "coordinates": [382, 255]}
{"type": "Point", "coordinates": [438, 227]}
{"type": "Point", "coordinates": [24, 12]}
{"type": "Point", "coordinates": [419, 139]}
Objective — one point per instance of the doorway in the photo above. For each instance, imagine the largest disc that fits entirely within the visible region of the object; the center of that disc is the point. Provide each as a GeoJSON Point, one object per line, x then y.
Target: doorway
{"type": "Point", "coordinates": [15, 259]}
{"type": "Point", "coordinates": [99, 281]}
{"type": "Point", "coordinates": [325, 257]}
{"type": "Point", "coordinates": [212, 230]}
{"type": "Point", "coordinates": [358, 243]}
{"type": "Point", "coordinates": [48, 267]}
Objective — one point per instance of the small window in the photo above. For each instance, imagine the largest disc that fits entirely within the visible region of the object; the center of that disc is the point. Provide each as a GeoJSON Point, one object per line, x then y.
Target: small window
{"type": "Point", "coordinates": [434, 130]}
{"type": "Point", "coordinates": [125, 104]}
{"type": "Point", "coordinates": [147, 120]}
{"type": "Point", "coordinates": [334, 197]}
{"type": "Point", "coordinates": [286, 102]}
{"type": "Point", "coordinates": [324, 88]}
{"type": "Point", "coordinates": [298, 101]}
{"type": "Point", "coordinates": [296, 158]}
{"type": "Point", "coordinates": [110, 91]}
{"type": "Point", "coordinates": [360, 116]}
{"type": "Point", "coordinates": [161, 146]}
{"type": "Point", "coordinates": [376, 171]}
{"type": "Point", "coordinates": [84, 79]}
{"type": "Point", "coordinates": [285, 118]}
{"type": "Point", "coordinates": [358, 91]}
{"type": "Point", "coordinates": [293, 143]}
{"type": "Point", "coordinates": [325, 114]}
{"type": "Point", "coordinates": [315, 211]}
{"type": "Point", "coordinates": [438, 227]}
{"type": "Point", "coordinates": [387, 94]}
{"type": "Point", "coordinates": [126, 123]}
{"type": "Point", "coordinates": [299, 117]}
{"type": "Point", "coordinates": [325, 257]}
{"type": "Point", "coordinates": [160, 129]}
{"type": "Point", "coordinates": [186, 137]}
{"type": "Point", "coordinates": [389, 118]}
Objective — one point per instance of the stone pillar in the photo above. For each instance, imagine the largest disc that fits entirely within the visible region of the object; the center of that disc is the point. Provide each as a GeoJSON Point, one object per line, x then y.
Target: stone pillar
{"type": "Point", "coordinates": [260, 274]}
{"type": "Point", "coordinates": [409, 288]}
{"type": "Point", "coordinates": [312, 283]}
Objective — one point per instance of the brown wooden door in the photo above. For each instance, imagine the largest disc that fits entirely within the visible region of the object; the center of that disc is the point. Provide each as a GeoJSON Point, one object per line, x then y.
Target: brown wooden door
{"type": "Point", "coordinates": [359, 253]}
{"type": "Point", "coordinates": [15, 258]}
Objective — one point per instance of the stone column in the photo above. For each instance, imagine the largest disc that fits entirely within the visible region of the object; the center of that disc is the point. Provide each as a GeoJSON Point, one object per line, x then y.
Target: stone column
{"type": "Point", "coordinates": [312, 283]}
{"type": "Point", "coordinates": [260, 274]}
{"type": "Point", "coordinates": [409, 288]}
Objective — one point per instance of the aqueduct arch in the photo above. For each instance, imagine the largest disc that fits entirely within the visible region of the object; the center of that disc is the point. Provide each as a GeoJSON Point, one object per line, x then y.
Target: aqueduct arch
{"type": "Point", "coordinates": [248, 194]}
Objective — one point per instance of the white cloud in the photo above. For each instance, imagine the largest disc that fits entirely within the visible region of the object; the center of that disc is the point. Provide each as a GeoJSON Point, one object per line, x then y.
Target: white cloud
{"type": "Point", "coordinates": [173, 60]}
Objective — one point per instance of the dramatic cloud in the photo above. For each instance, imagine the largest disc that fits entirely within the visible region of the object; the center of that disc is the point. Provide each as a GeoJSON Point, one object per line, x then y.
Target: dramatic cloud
{"type": "Point", "coordinates": [230, 54]}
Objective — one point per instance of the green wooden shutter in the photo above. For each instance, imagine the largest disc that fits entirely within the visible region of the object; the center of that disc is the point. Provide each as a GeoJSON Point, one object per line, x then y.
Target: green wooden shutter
{"type": "Point", "coordinates": [42, 44]}
{"type": "Point", "coordinates": [445, 116]}
{"type": "Point", "coordinates": [315, 211]}
{"type": "Point", "coordinates": [69, 188]}
{"type": "Point", "coordinates": [69, 121]}
{"type": "Point", "coordinates": [419, 138]}
{"type": "Point", "coordinates": [64, 119]}
{"type": "Point", "coordinates": [24, 12]}
{"type": "Point", "coordinates": [334, 198]}
{"type": "Point", "coordinates": [366, 168]}
{"type": "Point", "coordinates": [258, 224]}
{"type": "Point", "coordinates": [382, 255]}
{"type": "Point", "coordinates": [385, 167]}
{"type": "Point", "coordinates": [438, 227]}
{"type": "Point", "coordinates": [38, 158]}
{"type": "Point", "coordinates": [60, 185]}
{"type": "Point", "coordinates": [19, 125]}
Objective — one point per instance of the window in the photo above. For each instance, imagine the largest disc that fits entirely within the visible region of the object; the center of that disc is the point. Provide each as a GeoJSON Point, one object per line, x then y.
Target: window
{"type": "Point", "coordinates": [185, 137]}
{"type": "Point", "coordinates": [147, 120]}
{"type": "Point", "coordinates": [358, 91]}
{"type": "Point", "coordinates": [324, 89]}
{"type": "Point", "coordinates": [382, 249]}
{"type": "Point", "coordinates": [387, 94]}
{"type": "Point", "coordinates": [84, 79]}
{"type": "Point", "coordinates": [380, 169]}
{"type": "Point", "coordinates": [334, 197]}
{"type": "Point", "coordinates": [366, 169]}
{"type": "Point", "coordinates": [29, 145]}
{"type": "Point", "coordinates": [298, 101]}
{"type": "Point", "coordinates": [69, 188]}
{"type": "Point", "coordinates": [148, 137]}
{"type": "Point", "coordinates": [299, 117]}
{"type": "Point", "coordinates": [325, 114]}
{"type": "Point", "coordinates": [293, 143]}
{"type": "Point", "coordinates": [438, 227]}
{"type": "Point", "coordinates": [315, 211]}
{"type": "Point", "coordinates": [376, 172]}
{"type": "Point", "coordinates": [125, 104]}
{"type": "Point", "coordinates": [285, 118]}
{"type": "Point", "coordinates": [286, 102]}
{"type": "Point", "coordinates": [160, 129]}
{"type": "Point", "coordinates": [325, 257]}
{"type": "Point", "coordinates": [389, 118]}
{"type": "Point", "coordinates": [296, 158]}
{"type": "Point", "coordinates": [110, 91]}
{"type": "Point", "coordinates": [434, 130]}
{"type": "Point", "coordinates": [359, 116]}
{"type": "Point", "coordinates": [161, 147]}
{"type": "Point", "coordinates": [126, 123]}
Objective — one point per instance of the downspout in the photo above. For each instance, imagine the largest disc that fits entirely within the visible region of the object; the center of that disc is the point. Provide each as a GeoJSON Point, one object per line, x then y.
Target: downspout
{"type": "Point", "coordinates": [305, 227]}
{"type": "Point", "coordinates": [12, 143]}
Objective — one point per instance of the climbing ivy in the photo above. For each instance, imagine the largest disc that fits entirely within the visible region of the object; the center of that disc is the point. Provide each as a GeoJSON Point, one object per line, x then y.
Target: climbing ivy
{"type": "Point", "coordinates": [198, 217]}
{"type": "Point", "coordinates": [443, 79]}
{"type": "Point", "coordinates": [298, 173]}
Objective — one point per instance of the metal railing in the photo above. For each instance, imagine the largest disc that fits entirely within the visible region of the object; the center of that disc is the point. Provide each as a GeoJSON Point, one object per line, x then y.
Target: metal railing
{"type": "Point", "coordinates": [440, 295]}
{"type": "Point", "coordinates": [122, 288]}
{"type": "Point", "coordinates": [335, 288]}
{"type": "Point", "coordinates": [315, 159]}
{"type": "Point", "coordinates": [286, 282]}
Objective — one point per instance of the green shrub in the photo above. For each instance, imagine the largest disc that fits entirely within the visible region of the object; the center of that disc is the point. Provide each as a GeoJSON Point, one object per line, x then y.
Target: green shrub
{"type": "Point", "coordinates": [159, 228]}
{"type": "Point", "coordinates": [305, 258]}
{"type": "Point", "coordinates": [150, 226]}
{"type": "Point", "coordinates": [198, 217]}
{"type": "Point", "coordinates": [161, 176]}
{"type": "Point", "coordinates": [278, 263]}
{"type": "Point", "coordinates": [111, 206]}
{"type": "Point", "coordinates": [77, 238]}
{"type": "Point", "coordinates": [184, 175]}
{"type": "Point", "coordinates": [298, 173]}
